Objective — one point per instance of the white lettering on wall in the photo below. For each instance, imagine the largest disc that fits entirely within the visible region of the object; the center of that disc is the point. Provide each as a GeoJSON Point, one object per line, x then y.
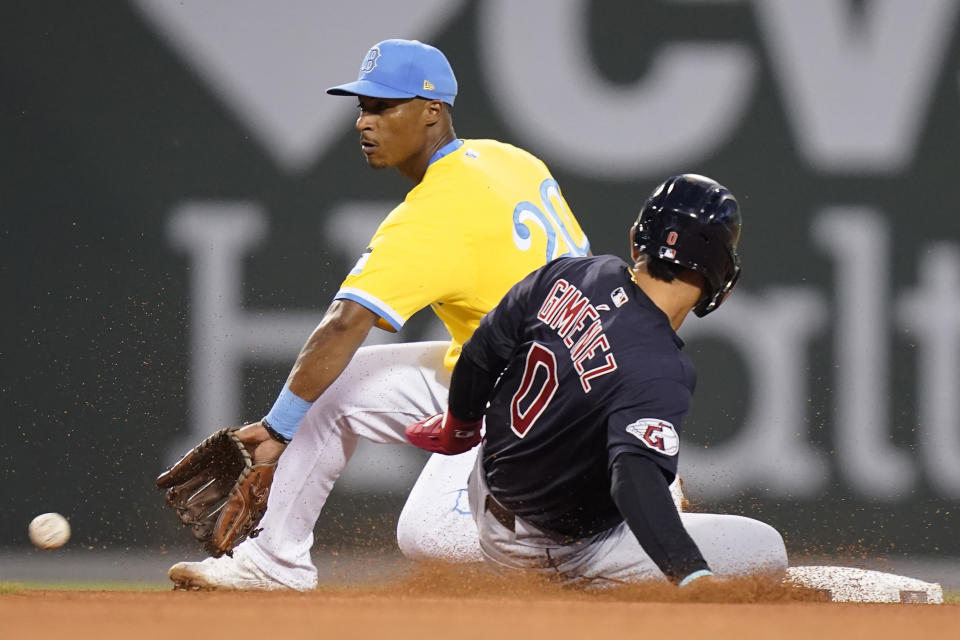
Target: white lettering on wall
{"type": "Point", "coordinates": [856, 90]}
{"type": "Point", "coordinates": [856, 85]}
{"type": "Point", "coordinates": [536, 59]}
{"type": "Point", "coordinates": [772, 333]}
{"type": "Point", "coordinates": [858, 241]}
{"type": "Point", "coordinates": [930, 313]}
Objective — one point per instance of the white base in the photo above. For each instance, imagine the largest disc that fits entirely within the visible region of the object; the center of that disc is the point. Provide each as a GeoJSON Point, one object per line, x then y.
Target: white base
{"type": "Point", "coordinates": [849, 584]}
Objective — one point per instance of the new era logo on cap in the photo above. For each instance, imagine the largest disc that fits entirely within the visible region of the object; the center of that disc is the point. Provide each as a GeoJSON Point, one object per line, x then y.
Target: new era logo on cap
{"type": "Point", "coordinates": [402, 69]}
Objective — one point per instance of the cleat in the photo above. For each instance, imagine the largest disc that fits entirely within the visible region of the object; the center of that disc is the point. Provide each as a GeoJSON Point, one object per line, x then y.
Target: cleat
{"type": "Point", "coordinates": [222, 574]}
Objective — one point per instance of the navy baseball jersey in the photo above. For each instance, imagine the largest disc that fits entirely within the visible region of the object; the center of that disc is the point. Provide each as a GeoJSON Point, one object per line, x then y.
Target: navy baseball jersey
{"type": "Point", "coordinates": [592, 369]}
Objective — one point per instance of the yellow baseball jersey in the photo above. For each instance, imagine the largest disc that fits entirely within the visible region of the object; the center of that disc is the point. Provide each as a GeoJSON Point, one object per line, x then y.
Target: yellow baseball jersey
{"type": "Point", "coordinates": [484, 216]}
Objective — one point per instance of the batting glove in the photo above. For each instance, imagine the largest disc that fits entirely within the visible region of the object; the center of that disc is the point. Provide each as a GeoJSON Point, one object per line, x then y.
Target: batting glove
{"type": "Point", "coordinates": [443, 433]}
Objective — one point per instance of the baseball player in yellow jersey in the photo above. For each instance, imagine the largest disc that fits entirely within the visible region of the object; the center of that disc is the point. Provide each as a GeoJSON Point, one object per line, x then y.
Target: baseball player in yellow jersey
{"type": "Point", "coordinates": [481, 216]}
{"type": "Point", "coordinates": [462, 236]}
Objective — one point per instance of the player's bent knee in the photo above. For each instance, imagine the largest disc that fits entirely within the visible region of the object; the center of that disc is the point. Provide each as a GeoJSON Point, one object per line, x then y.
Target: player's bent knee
{"type": "Point", "coordinates": [771, 551]}
{"type": "Point", "coordinates": [448, 538]}
{"type": "Point", "coordinates": [409, 531]}
{"type": "Point", "coordinates": [735, 545]}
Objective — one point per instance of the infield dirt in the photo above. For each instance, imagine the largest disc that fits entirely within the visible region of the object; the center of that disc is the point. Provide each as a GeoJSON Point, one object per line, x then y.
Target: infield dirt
{"type": "Point", "coordinates": [443, 603]}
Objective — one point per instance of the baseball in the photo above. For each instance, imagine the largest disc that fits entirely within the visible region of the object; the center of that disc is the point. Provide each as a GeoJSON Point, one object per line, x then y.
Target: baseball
{"type": "Point", "coordinates": [49, 531]}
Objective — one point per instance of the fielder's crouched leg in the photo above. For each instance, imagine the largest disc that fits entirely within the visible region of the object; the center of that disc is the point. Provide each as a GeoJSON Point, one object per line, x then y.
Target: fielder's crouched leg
{"type": "Point", "coordinates": [436, 522]}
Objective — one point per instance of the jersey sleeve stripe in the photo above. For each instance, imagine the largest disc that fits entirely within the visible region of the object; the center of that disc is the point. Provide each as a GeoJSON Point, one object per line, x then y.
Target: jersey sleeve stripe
{"type": "Point", "coordinates": [372, 303]}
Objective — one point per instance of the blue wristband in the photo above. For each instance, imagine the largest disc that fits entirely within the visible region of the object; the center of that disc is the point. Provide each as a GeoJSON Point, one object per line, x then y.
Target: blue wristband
{"type": "Point", "coordinates": [693, 576]}
{"type": "Point", "coordinates": [287, 412]}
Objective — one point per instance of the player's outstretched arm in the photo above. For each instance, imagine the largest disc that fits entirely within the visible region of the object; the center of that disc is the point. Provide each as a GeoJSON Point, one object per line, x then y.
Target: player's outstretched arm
{"type": "Point", "coordinates": [330, 348]}
{"type": "Point", "coordinates": [642, 495]}
{"type": "Point", "coordinates": [322, 359]}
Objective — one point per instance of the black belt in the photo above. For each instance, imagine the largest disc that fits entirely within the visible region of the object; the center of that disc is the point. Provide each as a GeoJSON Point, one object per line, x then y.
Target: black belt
{"type": "Point", "coordinates": [503, 515]}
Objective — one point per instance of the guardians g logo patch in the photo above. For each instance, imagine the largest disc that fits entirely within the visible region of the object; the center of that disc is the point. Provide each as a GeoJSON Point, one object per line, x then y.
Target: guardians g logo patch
{"type": "Point", "coordinates": [370, 61]}
{"type": "Point", "coordinates": [656, 434]}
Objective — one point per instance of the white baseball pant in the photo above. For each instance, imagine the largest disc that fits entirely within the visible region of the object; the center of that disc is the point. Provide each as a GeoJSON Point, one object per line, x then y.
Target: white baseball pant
{"type": "Point", "coordinates": [731, 545]}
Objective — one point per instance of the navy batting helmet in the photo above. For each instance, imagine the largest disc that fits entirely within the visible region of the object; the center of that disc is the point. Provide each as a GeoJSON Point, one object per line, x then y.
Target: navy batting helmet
{"type": "Point", "coordinates": [693, 221]}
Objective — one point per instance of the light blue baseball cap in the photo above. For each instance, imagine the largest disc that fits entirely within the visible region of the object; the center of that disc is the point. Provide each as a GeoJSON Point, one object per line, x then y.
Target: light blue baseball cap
{"type": "Point", "coordinates": [402, 69]}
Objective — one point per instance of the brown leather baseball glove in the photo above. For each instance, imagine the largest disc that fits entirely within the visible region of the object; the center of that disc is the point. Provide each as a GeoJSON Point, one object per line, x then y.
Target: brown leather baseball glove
{"type": "Point", "coordinates": [219, 492]}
